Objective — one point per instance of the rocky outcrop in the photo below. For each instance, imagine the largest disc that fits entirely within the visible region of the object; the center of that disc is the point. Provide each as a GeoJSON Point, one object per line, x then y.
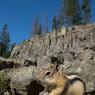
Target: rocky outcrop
{"type": "Point", "coordinates": [4, 63]}
{"type": "Point", "coordinates": [22, 80]}
{"type": "Point", "coordinates": [72, 48]}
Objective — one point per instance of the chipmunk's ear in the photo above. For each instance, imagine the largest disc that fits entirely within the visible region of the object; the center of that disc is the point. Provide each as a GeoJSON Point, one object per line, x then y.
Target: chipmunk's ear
{"type": "Point", "coordinates": [57, 67]}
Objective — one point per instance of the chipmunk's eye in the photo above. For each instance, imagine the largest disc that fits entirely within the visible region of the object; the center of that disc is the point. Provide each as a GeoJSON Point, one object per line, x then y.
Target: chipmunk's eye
{"type": "Point", "coordinates": [47, 73]}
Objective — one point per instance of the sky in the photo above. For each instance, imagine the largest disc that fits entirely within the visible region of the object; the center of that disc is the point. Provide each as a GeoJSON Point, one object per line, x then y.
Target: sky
{"type": "Point", "coordinates": [20, 14]}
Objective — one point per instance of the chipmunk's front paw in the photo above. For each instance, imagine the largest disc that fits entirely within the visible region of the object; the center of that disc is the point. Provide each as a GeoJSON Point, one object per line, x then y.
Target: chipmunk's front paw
{"type": "Point", "coordinates": [46, 93]}
{"type": "Point", "coordinates": [43, 93]}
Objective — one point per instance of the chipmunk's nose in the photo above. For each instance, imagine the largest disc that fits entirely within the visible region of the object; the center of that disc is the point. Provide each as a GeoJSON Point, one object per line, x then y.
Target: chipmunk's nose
{"type": "Point", "coordinates": [39, 81]}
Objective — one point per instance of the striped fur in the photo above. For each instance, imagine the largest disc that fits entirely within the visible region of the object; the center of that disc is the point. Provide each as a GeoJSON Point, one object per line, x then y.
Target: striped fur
{"type": "Point", "coordinates": [65, 85]}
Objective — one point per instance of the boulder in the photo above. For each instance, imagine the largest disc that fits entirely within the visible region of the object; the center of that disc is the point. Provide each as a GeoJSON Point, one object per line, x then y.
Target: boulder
{"type": "Point", "coordinates": [4, 63]}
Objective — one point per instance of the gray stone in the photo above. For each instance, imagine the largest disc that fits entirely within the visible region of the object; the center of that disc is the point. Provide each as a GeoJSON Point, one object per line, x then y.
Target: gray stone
{"type": "Point", "coordinates": [73, 49]}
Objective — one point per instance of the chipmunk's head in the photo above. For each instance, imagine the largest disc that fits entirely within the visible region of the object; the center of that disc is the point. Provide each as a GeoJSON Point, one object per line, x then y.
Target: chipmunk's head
{"type": "Point", "coordinates": [46, 72]}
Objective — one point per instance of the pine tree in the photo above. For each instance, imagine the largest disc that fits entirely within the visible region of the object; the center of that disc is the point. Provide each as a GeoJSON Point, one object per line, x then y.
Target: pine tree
{"type": "Point", "coordinates": [61, 14]}
{"type": "Point", "coordinates": [40, 30]}
{"type": "Point", "coordinates": [12, 46]}
{"type": "Point", "coordinates": [37, 29]}
{"type": "Point", "coordinates": [4, 41]}
{"type": "Point", "coordinates": [86, 11]}
{"type": "Point", "coordinates": [45, 26]}
{"type": "Point", "coordinates": [54, 23]}
{"type": "Point", "coordinates": [2, 49]}
{"type": "Point", "coordinates": [5, 38]}
{"type": "Point", "coordinates": [70, 12]}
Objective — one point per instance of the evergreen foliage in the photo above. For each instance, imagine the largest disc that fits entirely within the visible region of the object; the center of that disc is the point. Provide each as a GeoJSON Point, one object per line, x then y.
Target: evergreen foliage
{"type": "Point", "coordinates": [54, 23]}
{"type": "Point", "coordinates": [4, 84]}
{"type": "Point", "coordinates": [37, 28]}
{"type": "Point", "coordinates": [5, 42]}
{"type": "Point", "coordinates": [86, 11]}
{"type": "Point", "coordinates": [45, 26]}
{"type": "Point", "coordinates": [70, 12]}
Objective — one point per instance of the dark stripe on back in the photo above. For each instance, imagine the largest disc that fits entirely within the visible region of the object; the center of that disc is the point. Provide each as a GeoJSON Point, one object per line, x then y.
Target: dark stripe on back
{"type": "Point", "coordinates": [65, 89]}
{"type": "Point", "coordinates": [77, 79]}
{"type": "Point", "coordinates": [70, 83]}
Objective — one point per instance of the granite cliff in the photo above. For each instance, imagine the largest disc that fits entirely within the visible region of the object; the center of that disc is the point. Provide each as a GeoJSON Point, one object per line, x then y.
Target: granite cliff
{"type": "Point", "coordinates": [73, 48]}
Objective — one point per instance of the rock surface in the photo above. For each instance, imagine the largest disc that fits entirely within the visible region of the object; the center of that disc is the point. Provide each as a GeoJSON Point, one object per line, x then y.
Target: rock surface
{"type": "Point", "coordinates": [4, 63]}
{"type": "Point", "coordinates": [73, 48]}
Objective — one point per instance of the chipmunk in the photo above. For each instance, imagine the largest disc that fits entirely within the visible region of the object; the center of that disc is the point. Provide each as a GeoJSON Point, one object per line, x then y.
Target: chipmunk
{"type": "Point", "coordinates": [59, 83]}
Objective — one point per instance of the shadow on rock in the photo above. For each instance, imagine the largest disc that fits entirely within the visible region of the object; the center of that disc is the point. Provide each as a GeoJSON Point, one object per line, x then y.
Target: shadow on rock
{"type": "Point", "coordinates": [91, 93]}
{"type": "Point", "coordinates": [34, 88]}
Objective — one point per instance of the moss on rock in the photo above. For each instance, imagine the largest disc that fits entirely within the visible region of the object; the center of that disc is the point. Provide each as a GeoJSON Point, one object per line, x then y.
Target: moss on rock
{"type": "Point", "coordinates": [4, 84]}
